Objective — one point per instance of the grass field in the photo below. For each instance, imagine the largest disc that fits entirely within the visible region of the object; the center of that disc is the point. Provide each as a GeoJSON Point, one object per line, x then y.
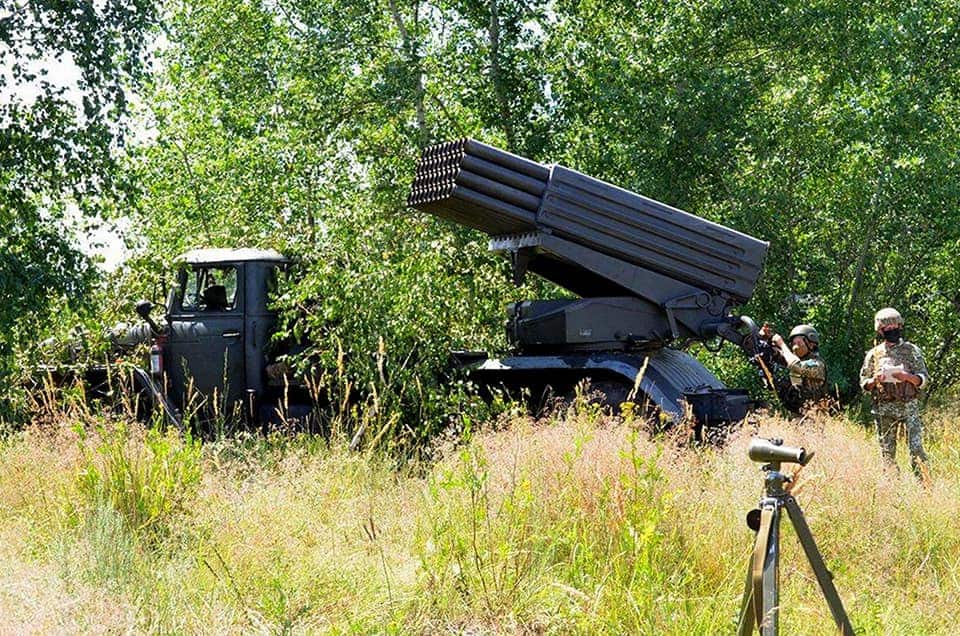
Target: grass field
{"type": "Point", "coordinates": [576, 524]}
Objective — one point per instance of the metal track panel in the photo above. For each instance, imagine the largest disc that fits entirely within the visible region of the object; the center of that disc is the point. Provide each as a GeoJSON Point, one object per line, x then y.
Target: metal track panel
{"type": "Point", "coordinates": [668, 375]}
{"type": "Point", "coordinates": [645, 232]}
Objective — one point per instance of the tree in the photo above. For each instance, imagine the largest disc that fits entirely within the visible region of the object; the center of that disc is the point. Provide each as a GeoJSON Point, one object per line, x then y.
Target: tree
{"type": "Point", "coordinates": [59, 145]}
{"type": "Point", "coordinates": [296, 125]}
{"type": "Point", "coordinates": [829, 130]}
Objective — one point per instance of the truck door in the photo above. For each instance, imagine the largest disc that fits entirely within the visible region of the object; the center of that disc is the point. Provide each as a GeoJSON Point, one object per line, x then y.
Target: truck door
{"type": "Point", "coordinates": [205, 363]}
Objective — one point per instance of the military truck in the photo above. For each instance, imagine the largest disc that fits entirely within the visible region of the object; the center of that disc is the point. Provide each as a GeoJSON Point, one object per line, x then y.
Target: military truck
{"type": "Point", "coordinates": [650, 279]}
{"type": "Point", "coordinates": [211, 354]}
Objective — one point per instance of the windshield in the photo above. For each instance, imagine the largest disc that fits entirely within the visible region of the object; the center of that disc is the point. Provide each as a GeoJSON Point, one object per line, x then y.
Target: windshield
{"type": "Point", "coordinates": [210, 288]}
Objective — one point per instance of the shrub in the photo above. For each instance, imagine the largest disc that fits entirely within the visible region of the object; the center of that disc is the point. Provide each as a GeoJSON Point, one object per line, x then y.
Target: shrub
{"type": "Point", "coordinates": [147, 476]}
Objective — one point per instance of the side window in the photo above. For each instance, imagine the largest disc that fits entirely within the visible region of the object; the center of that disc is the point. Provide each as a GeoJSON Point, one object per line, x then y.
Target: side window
{"type": "Point", "coordinates": [210, 288]}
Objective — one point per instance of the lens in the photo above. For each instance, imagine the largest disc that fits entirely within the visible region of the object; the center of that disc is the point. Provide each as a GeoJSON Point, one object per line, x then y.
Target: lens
{"type": "Point", "coordinates": [765, 450]}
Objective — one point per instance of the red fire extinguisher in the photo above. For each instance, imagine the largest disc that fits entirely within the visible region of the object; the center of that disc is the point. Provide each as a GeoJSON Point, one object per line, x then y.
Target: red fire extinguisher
{"type": "Point", "coordinates": [156, 357]}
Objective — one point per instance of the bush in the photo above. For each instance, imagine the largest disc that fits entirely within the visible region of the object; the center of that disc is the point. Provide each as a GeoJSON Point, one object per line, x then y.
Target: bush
{"type": "Point", "coordinates": [147, 476]}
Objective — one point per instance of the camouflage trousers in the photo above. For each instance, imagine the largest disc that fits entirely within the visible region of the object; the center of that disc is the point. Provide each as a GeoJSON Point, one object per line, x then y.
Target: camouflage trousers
{"type": "Point", "coordinates": [888, 425]}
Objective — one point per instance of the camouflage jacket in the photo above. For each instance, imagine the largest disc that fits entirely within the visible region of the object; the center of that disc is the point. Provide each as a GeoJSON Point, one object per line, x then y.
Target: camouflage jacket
{"type": "Point", "coordinates": [806, 381]}
{"type": "Point", "coordinates": [890, 398]}
{"type": "Point", "coordinates": [809, 376]}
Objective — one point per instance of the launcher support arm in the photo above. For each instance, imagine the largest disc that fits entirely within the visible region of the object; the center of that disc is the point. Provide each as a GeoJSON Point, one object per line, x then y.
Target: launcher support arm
{"type": "Point", "coordinates": [741, 331]}
{"type": "Point", "coordinates": [690, 311]}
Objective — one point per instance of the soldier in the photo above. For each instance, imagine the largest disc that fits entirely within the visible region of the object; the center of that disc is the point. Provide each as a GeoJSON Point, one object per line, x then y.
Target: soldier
{"type": "Point", "coordinates": [807, 372]}
{"type": "Point", "coordinates": [894, 372]}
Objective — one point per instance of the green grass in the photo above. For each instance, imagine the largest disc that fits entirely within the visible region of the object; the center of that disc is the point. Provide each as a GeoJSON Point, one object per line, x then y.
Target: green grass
{"type": "Point", "coordinates": [572, 525]}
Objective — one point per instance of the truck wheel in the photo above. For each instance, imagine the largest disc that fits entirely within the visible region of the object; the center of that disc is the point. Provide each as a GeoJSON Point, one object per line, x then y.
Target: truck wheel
{"type": "Point", "coordinates": [607, 393]}
{"type": "Point", "coordinates": [610, 394]}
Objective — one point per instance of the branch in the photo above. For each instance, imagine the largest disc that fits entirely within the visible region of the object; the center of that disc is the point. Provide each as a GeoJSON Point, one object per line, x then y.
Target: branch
{"type": "Point", "coordinates": [201, 208]}
{"type": "Point", "coordinates": [446, 113]}
{"type": "Point", "coordinates": [297, 27]}
{"type": "Point", "coordinates": [862, 259]}
{"type": "Point", "coordinates": [395, 12]}
{"type": "Point", "coordinates": [414, 60]}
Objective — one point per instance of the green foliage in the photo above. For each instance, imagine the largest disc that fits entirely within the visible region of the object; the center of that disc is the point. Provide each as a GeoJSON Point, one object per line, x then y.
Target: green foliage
{"type": "Point", "coordinates": [830, 131]}
{"type": "Point", "coordinates": [822, 128]}
{"type": "Point", "coordinates": [382, 311]}
{"type": "Point", "coordinates": [59, 140]}
{"type": "Point", "coordinates": [273, 133]}
{"type": "Point", "coordinates": [147, 477]}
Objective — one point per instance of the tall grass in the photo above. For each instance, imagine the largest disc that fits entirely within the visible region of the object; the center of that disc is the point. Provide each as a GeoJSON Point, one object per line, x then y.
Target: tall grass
{"type": "Point", "coordinates": [146, 477]}
{"type": "Point", "coordinates": [576, 524]}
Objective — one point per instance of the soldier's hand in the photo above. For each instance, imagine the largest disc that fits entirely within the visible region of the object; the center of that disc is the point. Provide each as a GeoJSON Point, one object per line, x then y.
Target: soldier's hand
{"type": "Point", "coordinates": [766, 331]}
{"type": "Point", "coordinates": [906, 376]}
{"type": "Point", "coordinates": [777, 339]}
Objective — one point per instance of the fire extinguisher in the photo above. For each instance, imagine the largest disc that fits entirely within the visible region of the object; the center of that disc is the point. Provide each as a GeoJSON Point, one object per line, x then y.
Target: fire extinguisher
{"type": "Point", "coordinates": [156, 357]}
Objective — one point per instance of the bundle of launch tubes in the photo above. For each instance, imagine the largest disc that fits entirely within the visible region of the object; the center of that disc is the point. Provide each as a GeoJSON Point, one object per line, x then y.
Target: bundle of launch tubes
{"type": "Point", "coordinates": [500, 193]}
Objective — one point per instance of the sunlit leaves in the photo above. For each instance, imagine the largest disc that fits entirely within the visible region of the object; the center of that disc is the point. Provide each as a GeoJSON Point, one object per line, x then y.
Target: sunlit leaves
{"type": "Point", "coordinates": [820, 127]}
{"type": "Point", "coordinates": [828, 129]}
{"type": "Point", "coordinates": [65, 69]}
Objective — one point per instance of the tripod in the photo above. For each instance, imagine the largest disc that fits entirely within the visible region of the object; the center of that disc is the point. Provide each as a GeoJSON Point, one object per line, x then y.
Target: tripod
{"type": "Point", "coordinates": [761, 595]}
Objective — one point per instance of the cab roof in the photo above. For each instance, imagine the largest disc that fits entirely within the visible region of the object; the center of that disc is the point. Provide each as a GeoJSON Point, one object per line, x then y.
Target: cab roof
{"type": "Point", "coordinates": [226, 255]}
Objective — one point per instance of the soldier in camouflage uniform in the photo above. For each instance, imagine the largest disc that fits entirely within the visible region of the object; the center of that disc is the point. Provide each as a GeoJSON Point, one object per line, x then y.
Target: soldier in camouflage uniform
{"type": "Point", "coordinates": [894, 372]}
{"type": "Point", "coordinates": [806, 382]}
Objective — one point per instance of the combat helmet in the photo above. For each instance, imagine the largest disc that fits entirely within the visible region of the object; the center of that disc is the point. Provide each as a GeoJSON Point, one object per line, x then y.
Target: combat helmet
{"type": "Point", "coordinates": [887, 316]}
{"type": "Point", "coordinates": [808, 332]}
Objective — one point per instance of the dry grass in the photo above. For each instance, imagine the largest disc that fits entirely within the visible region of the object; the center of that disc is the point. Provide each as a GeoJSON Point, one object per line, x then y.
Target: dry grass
{"type": "Point", "coordinates": [891, 543]}
{"type": "Point", "coordinates": [571, 525]}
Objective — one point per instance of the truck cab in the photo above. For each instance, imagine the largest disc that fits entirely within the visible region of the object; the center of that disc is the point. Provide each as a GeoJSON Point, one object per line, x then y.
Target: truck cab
{"type": "Point", "coordinates": [215, 345]}
{"type": "Point", "coordinates": [212, 355]}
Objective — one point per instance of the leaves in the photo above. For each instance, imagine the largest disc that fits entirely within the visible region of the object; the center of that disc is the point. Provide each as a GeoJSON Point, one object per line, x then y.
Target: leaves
{"type": "Point", "coordinates": [828, 130]}
{"type": "Point", "coordinates": [58, 146]}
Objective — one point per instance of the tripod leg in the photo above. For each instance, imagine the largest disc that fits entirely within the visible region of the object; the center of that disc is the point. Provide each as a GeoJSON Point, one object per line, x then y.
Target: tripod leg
{"type": "Point", "coordinates": [745, 626]}
{"type": "Point", "coordinates": [766, 569]}
{"type": "Point", "coordinates": [759, 605]}
{"type": "Point", "coordinates": [824, 578]}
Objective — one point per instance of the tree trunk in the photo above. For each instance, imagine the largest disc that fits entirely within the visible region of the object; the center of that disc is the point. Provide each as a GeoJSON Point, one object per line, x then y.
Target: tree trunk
{"type": "Point", "coordinates": [413, 59]}
{"type": "Point", "coordinates": [863, 258]}
{"type": "Point", "coordinates": [496, 76]}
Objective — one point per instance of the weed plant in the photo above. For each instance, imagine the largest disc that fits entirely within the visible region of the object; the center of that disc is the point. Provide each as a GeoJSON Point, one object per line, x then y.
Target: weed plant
{"type": "Point", "coordinates": [573, 524]}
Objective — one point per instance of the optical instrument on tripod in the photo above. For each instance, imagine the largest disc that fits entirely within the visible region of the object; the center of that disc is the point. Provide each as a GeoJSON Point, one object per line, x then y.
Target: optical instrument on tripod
{"type": "Point", "coordinates": [761, 595]}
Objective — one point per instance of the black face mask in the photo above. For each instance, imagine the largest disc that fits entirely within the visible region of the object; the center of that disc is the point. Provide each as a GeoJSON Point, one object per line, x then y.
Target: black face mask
{"type": "Point", "coordinates": [892, 335]}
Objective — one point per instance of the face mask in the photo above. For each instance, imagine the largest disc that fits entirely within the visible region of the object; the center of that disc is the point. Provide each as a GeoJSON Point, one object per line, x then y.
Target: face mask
{"type": "Point", "coordinates": [892, 335]}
